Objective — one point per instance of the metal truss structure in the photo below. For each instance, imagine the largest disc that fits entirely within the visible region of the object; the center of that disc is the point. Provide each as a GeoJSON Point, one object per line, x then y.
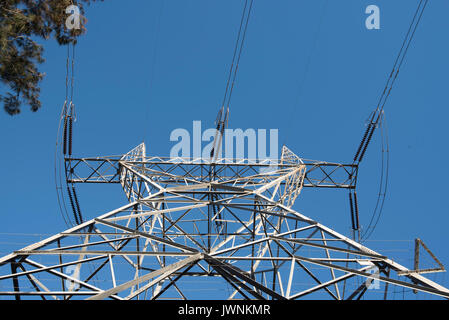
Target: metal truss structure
{"type": "Point", "coordinates": [226, 225]}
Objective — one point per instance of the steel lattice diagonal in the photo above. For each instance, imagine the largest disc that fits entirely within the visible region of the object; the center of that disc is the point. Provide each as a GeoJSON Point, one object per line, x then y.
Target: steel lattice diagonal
{"type": "Point", "coordinates": [193, 230]}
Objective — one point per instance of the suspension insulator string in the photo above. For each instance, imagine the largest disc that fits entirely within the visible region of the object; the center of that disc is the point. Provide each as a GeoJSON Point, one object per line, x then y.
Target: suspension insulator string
{"type": "Point", "coordinates": [80, 217]}
{"type": "Point", "coordinates": [351, 206]}
{"type": "Point", "coordinates": [356, 206]}
{"type": "Point", "coordinates": [65, 136]}
{"type": "Point", "coordinates": [70, 134]}
{"type": "Point", "coordinates": [391, 80]}
{"type": "Point", "coordinates": [368, 140]}
{"type": "Point", "coordinates": [72, 204]}
{"type": "Point", "coordinates": [362, 143]}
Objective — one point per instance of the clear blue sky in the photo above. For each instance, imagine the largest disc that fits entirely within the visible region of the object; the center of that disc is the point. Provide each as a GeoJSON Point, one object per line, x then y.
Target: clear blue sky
{"type": "Point", "coordinates": [309, 68]}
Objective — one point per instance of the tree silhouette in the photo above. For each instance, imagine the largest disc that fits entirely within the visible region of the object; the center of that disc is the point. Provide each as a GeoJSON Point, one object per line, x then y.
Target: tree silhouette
{"type": "Point", "coordinates": [22, 22]}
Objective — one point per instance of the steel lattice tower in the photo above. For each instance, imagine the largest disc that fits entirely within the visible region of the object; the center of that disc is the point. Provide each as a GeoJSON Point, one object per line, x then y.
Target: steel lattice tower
{"type": "Point", "coordinates": [194, 224]}
{"type": "Point", "coordinates": [225, 225]}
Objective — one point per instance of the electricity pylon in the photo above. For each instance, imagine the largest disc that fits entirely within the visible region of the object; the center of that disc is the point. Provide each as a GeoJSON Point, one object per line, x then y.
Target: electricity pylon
{"type": "Point", "coordinates": [195, 229]}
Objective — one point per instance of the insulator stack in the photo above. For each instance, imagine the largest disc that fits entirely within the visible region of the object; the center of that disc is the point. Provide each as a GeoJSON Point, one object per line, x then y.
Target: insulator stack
{"type": "Point", "coordinates": [356, 206]}
{"type": "Point", "coordinates": [72, 204]}
{"type": "Point", "coordinates": [373, 127]}
{"type": "Point", "coordinates": [362, 143]}
{"type": "Point", "coordinates": [80, 217]}
{"type": "Point", "coordinates": [351, 206]}
{"type": "Point", "coordinates": [65, 136]}
{"type": "Point", "coordinates": [70, 135]}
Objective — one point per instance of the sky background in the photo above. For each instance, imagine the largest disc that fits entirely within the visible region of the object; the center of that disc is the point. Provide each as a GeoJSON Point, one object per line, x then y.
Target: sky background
{"type": "Point", "coordinates": [309, 69]}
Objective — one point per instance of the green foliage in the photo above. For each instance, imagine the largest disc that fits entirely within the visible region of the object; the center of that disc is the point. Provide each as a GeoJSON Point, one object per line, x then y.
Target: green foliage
{"type": "Point", "coordinates": [21, 23]}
